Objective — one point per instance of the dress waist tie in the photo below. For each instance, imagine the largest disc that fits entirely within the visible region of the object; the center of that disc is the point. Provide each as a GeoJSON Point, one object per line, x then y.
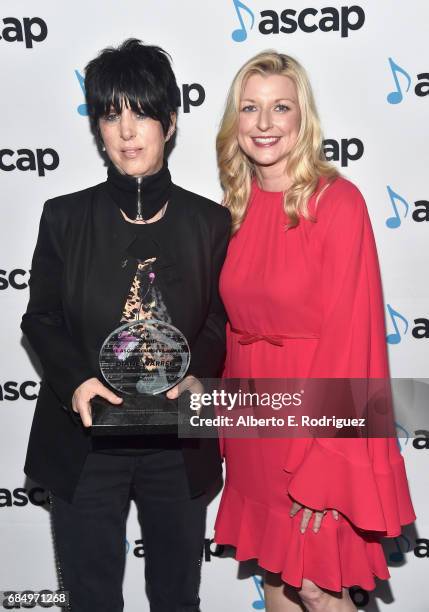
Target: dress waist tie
{"type": "Point", "coordinates": [251, 337]}
{"type": "Point", "coordinates": [275, 339]}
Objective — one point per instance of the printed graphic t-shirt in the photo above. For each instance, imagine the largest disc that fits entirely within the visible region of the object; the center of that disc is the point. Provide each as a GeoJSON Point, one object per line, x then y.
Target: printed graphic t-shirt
{"type": "Point", "coordinates": [144, 301]}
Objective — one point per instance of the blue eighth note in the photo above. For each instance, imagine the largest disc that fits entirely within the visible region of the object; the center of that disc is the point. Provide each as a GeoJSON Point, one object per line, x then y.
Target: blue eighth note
{"type": "Point", "coordinates": [82, 109]}
{"type": "Point", "coordinates": [397, 556]}
{"type": "Point", "coordinates": [258, 604]}
{"type": "Point", "coordinates": [396, 96]}
{"type": "Point", "coordinates": [240, 33]}
{"type": "Point", "coordinates": [399, 429]}
{"type": "Point", "coordinates": [395, 338]}
{"type": "Point", "coordinates": [395, 221]}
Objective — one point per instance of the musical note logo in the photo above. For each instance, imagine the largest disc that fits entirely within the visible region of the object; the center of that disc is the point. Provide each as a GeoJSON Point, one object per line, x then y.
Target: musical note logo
{"type": "Point", "coordinates": [397, 556]}
{"type": "Point", "coordinates": [240, 34]}
{"type": "Point", "coordinates": [395, 221]}
{"type": "Point", "coordinates": [396, 96]}
{"type": "Point", "coordinates": [403, 434]}
{"type": "Point", "coordinates": [258, 604]}
{"type": "Point", "coordinates": [395, 337]}
{"type": "Point", "coordinates": [82, 109]}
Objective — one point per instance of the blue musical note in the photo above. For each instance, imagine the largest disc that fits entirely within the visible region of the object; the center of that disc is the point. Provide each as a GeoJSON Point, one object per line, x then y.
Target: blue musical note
{"type": "Point", "coordinates": [395, 338]}
{"type": "Point", "coordinates": [258, 604]}
{"type": "Point", "coordinates": [395, 221]}
{"type": "Point", "coordinates": [399, 438]}
{"type": "Point", "coordinates": [82, 109]}
{"type": "Point", "coordinates": [396, 96]}
{"type": "Point", "coordinates": [240, 33]}
{"type": "Point", "coordinates": [397, 556]}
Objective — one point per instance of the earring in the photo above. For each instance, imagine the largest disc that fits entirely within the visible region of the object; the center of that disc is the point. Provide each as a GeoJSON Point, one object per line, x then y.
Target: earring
{"type": "Point", "coordinates": [103, 148]}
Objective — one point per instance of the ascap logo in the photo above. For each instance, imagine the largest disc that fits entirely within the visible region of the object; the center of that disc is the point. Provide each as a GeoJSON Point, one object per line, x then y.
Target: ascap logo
{"type": "Point", "coordinates": [341, 20]}
{"type": "Point", "coordinates": [401, 325]}
{"type": "Point", "coordinates": [31, 30]}
{"type": "Point", "coordinates": [191, 94]}
{"type": "Point", "coordinates": [403, 436]}
{"type": "Point", "coordinates": [21, 497]}
{"type": "Point", "coordinates": [210, 549]}
{"type": "Point", "coordinates": [344, 150]}
{"type": "Point", "coordinates": [401, 207]}
{"type": "Point", "coordinates": [12, 390]}
{"type": "Point", "coordinates": [26, 159]}
{"type": "Point", "coordinates": [16, 279]}
{"type": "Point", "coordinates": [421, 440]}
{"type": "Point", "coordinates": [403, 545]}
{"type": "Point", "coordinates": [421, 550]}
{"type": "Point", "coordinates": [402, 81]}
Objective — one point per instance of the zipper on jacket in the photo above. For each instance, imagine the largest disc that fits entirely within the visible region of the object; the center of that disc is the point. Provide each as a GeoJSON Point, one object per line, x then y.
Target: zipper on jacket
{"type": "Point", "coordinates": [139, 216]}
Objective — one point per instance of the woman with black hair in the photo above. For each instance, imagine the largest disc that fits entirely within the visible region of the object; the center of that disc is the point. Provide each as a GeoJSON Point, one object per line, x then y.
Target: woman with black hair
{"type": "Point", "coordinates": [94, 249]}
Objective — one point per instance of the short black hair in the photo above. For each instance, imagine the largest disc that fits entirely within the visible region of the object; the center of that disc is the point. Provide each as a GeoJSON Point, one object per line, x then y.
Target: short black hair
{"type": "Point", "coordinates": [139, 75]}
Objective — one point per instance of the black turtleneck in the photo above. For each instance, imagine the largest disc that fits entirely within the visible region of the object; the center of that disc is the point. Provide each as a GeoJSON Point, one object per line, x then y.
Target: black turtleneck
{"type": "Point", "coordinates": [151, 240]}
{"type": "Point", "coordinates": [154, 191]}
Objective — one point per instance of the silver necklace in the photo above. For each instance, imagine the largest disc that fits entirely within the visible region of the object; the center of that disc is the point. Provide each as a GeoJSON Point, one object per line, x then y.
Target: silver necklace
{"type": "Point", "coordinates": [146, 221]}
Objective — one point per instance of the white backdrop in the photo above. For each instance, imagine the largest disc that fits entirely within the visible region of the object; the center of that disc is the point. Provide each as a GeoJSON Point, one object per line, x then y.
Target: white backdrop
{"type": "Point", "coordinates": [46, 149]}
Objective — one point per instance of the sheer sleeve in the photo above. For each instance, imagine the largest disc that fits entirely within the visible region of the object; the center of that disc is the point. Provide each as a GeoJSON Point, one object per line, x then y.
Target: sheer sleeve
{"type": "Point", "coordinates": [363, 478]}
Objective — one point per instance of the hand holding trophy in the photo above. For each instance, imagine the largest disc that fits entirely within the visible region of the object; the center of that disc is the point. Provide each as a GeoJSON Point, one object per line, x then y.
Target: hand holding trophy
{"type": "Point", "coordinates": [140, 360]}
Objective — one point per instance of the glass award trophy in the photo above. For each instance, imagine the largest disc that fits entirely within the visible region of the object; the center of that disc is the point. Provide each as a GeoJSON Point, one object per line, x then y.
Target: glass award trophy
{"type": "Point", "coordinates": [140, 360]}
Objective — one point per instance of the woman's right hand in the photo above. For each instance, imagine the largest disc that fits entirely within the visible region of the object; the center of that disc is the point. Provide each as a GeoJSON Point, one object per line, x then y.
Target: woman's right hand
{"type": "Point", "coordinates": [307, 515]}
{"type": "Point", "coordinates": [85, 392]}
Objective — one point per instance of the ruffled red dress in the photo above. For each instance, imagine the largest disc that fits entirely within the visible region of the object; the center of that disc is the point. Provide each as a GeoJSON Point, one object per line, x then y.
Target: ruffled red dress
{"type": "Point", "coordinates": [318, 286]}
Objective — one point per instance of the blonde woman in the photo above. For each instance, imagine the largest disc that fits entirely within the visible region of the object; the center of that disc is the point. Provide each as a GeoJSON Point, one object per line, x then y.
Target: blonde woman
{"type": "Point", "coordinates": [302, 290]}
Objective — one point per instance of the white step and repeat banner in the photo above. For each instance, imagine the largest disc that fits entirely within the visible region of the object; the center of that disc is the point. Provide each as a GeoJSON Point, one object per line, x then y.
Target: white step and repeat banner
{"type": "Point", "coordinates": [369, 65]}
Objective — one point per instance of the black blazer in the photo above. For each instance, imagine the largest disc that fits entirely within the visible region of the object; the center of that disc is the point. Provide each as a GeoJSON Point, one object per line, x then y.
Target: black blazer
{"type": "Point", "coordinates": [80, 277]}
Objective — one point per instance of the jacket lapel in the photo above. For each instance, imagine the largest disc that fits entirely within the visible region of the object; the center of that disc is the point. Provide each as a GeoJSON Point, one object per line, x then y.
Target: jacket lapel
{"type": "Point", "coordinates": [109, 270]}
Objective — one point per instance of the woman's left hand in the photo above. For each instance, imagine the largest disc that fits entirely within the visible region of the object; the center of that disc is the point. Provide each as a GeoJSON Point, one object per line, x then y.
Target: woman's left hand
{"type": "Point", "coordinates": [189, 383]}
{"type": "Point", "coordinates": [307, 515]}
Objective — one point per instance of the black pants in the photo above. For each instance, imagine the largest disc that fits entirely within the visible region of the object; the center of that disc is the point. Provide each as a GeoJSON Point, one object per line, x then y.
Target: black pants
{"type": "Point", "coordinates": [90, 533]}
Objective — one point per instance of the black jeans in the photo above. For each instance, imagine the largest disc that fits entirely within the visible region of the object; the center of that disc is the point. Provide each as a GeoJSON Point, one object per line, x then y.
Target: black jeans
{"type": "Point", "coordinates": [90, 533]}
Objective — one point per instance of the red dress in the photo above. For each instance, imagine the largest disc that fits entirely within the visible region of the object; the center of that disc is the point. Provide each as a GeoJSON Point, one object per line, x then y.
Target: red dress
{"type": "Point", "coordinates": [318, 285]}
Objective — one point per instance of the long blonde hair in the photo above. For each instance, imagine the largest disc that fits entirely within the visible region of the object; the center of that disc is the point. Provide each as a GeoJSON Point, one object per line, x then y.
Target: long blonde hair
{"type": "Point", "coordinates": [306, 162]}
